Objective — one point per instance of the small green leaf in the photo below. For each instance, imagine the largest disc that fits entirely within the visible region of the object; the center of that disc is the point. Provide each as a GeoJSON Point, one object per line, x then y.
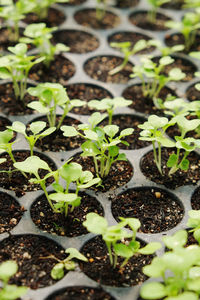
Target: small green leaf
{"type": "Point", "coordinates": [74, 253]}
{"type": "Point", "coordinates": [37, 126]}
{"type": "Point", "coordinates": [111, 130]}
{"type": "Point", "coordinates": [184, 164]}
{"type": "Point", "coordinates": [8, 269]}
{"type": "Point", "coordinates": [92, 219]}
{"type": "Point", "coordinates": [69, 131]}
{"type": "Point", "coordinates": [179, 239]}
{"type": "Point", "coordinates": [58, 271]}
{"type": "Point", "coordinates": [150, 248]}
{"type": "Point", "coordinates": [153, 290]}
{"type": "Point", "coordinates": [172, 160]}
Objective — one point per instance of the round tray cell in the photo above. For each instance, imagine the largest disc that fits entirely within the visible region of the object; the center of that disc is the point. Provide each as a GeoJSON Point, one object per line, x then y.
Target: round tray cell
{"type": "Point", "coordinates": [140, 19]}
{"type": "Point", "coordinates": [55, 223]}
{"type": "Point", "coordinates": [175, 4]}
{"type": "Point", "coordinates": [55, 17]}
{"type": "Point", "coordinates": [31, 253]}
{"type": "Point", "coordinates": [10, 212]}
{"type": "Point", "coordinates": [145, 104]}
{"type": "Point", "coordinates": [192, 94]}
{"type": "Point", "coordinates": [130, 36]}
{"type": "Point", "coordinates": [98, 68]}
{"type": "Point", "coordinates": [157, 209]}
{"type": "Point", "coordinates": [126, 3]}
{"type": "Point", "coordinates": [178, 39]}
{"type": "Point", "coordinates": [120, 173]}
{"type": "Point", "coordinates": [16, 181]}
{"type": "Point", "coordinates": [195, 200]}
{"type": "Point", "coordinates": [59, 71]}
{"type": "Point", "coordinates": [81, 293]}
{"type": "Point", "coordinates": [179, 178]}
{"type": "Point", "coordinates": [129, 121]}
{"type": "Point", "coordinates": [78, 41]}
{"type": "Point", "coordinates": [99, 268]}
{"type": "Point", "coordinates": [86, 92]}
{"type": "Point", "coordinates": [87, 17]}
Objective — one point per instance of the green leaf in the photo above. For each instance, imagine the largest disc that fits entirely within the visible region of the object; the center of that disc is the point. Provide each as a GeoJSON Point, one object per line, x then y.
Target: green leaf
{"type": "Point", "coordinates": [62, 197]}
{"type": "Point", "coordinates": [38, 106]}
{"type": "Point", "coordinates": [150, 248]}
{"type": "Point", "coordinates": [69, 131]}
{"type": "Point", "coordinates": [31, 165]}
{"type": "Point", "coordinates": [184, 296]}
{"type": "Point", "coordinates": [127, 131]}
{"type": "Point", "coordinates": [156, 268]}
{"type": "Point", "coordinates": [8, 269]}
{"type": "Point", "coordinates": [90, 183]}
{"type": "Point", "coordinates": [111, 130]}
{"type": "Point", "coordinates": [157, 122]}
{"type": "Point", "coordinates": [71, 172]}
{"type": "Point", "coordinates": [122, 250]}
{"type": "Point", "coordinates": [166, 60]}
{"type": "Point", "coordinates": [18, 127]}
{"type": "Point", "coordinates": [89, 149]}
{"type": "Point", "coordinates": [91, 135]}
{"type": "Point", "coordinates": [113, 151]}
{"type": "Point", "coordinates": [179, 239]}
{"type": "Point", "coordinates": [37, 126]}
{"type": "Point", "coordinates": [96, 118]}
{"type": "Point", "coordinates": [12, 292]}
{"type": "Point", "coordinates": [153, 290]}
{"type": "Point", "coordinates": [184, 164]}
{"type": "Point", "coordinates": [172, 160]}
{"type": "Point", "coordinates": [95, 223]}
{"type": "Point", "coordinates": [58, 271]}
{"type": "Point", "coordinates": [74, 253]}
{"type": "Point", "coordinates": [4, 73]}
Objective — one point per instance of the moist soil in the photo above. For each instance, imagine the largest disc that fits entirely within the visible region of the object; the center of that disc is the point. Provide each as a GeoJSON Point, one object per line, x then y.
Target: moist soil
{"type": "Point", "coordinates": [31, 252]}
{"type": "Point", "coordinates": [87, 17]}
{"type": "Point", "coordinates": [78, 41]}
{"type": "Point", "coordinates": [59, 71]}
{"type": "Point", "coordinates": [81, 293]}
{"type": "Point", "coordinates": [98, 68]}
{"type": "Point", "coordinates": [5, 42]}
{"type": "Point", "coordinates": [126, 3]}
{"type": "Point", "coordinates": [3, 123]}
{"type": "Point", "coordinates": [192, 94]}
{"type": "Point", "coordinates": [56, 223]}
{"type": "Point", "coordinates": [99, 269]}
{"type": "Point", "coordinates": [140, 19]}
{"type": "Point", "coordinates": [195, 200]}
{"type": "Point", "coordinates": [55, 17]}
{"type": "Point", "coordinates": [175, 4]}
{"type": "Point", "coordinates": [56, 141]}
{"type": "Point", "coordinates": [16, 181]}
{"type": "Point", "coordinates": [178, 39]}
{"type": "Point", "coordinates": [179, 178]}
{"type": "Point", "coordinates": [145, 104]}
{"type": "Point", "coordinates": [120, 172]}
{"type": "Point", "coordinates": [86, 92]}
{"type": "Point", "coordinates": [157, 209]}
{"type": "Point", "coordinates": [133, 37]}
{"type": "Point", "coordinates": [10, 212]}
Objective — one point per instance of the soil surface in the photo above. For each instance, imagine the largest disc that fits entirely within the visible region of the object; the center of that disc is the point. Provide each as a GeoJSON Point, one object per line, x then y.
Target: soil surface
{"type": "Point", "coordinates": [10, 212]}
{"type": "Point", "coordinates": [55, 223]}
{"type": "Point", "coordinates": [175, 4]}
{"type": "Point", "coordinates": [126, 3]}
{"type": "Point", "coordinates": [78, 41]}
{"type": "Point", "coordinates": [59, 71]}
{"type": "Point", "coordinates": [98, 68]}
{"type": "Point", "coordinates": [6, 42]}
{"type": "Point", "coordinates": [140, 19]}
{"type": "Point", "coordinates": [192, 94]}
{"type": "Point", "coordinates": [86, 92]}
{"type": "Point", "coordinates": [120, 172]}
{"type": "Point", "coordinates": [4, 122]}
{"type": "Point", "coordinates": [81, 293]}
{"type": "Point", "coordinates": [73, 2]}
{"type": "Point", "coordinates": [87, 17]}
{"type": "Point", "coordinates": [178, 39]}
{"type": "Point", "coordinates": [191, 176]}
{"type": "Point", "coordinates": [156, 209]}
{"type": "Point", "coordinates": [16, 181]}
{"type": "Point", "coordinates": [195, 200]}
{"type": "Point", "coordinates": [99, 269]}
{"type": "Point", "coordinates": [31, 252]}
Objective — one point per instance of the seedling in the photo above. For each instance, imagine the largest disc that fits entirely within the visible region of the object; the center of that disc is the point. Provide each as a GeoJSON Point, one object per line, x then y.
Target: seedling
{"type": "Point", "coordinates": [109, 105]}
{"type": "Point", "coordinates": [166, 51]}
{"type": "Point", "coordinates": [194, 222]}
{"type": "Point", "coordinates": [114, 235]}
{"type": "Point", "coordinates": [40, 36]}
{"type": "Point", "coordinates": [155, 4]}
{"type": "Point", "coordinates": [16, 66]}
{"type": "Point", "coordinates": [37, 131]}
{"type": "Point", "coordinates": [100, 9]}
{"type": "Point", "coordinates": [101, 143]}
{"type": "Point", "coordinates": [52, 95]}
{"type": "Point", "coordinates": [10, 291]}
{"type": "Point", "coordinates": [183, 263]}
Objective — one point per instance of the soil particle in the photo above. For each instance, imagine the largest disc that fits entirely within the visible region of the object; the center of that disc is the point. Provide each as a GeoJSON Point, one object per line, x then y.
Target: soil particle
{"type": "Point", "coordinates": [192, 94]}
{"type": "Point", "coordinates": [195, 200]}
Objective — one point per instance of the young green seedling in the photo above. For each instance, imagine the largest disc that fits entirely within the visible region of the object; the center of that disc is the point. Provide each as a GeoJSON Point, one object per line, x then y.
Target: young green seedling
{"type": "Point", "coordinates": [155, 4]}
{"type": "Point", "coordinates": [182, 283]}
{"type": "Point", "coordinates": [101, 143]}
{"type": "Point", "coordinates": [37, 129]}
{"type": "Point", "coordinates": [10, 291]}
{"type": "Point", "coordinates": [40, 36]}
{"type": "Point", "coordinates": [100, 9]}
{"type": "Point", "coordinates": [52, 95]}
{"type": "Point", "coordinates": [176, 107]}
{"type": "Point", "coordinates": [194, 222]}
{"type": "Point", "coordinates": [16, 66]}
{"type": "Point", "coordinates": [114, 235]}
{"type": "Point", "coordinates": [109, 105]}
{"type": "Point", "coordinates": [166, 51]}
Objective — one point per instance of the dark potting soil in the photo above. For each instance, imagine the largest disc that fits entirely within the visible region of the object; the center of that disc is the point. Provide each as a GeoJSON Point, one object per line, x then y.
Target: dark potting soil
{"type": "Point", "coordinates": [55, 223]}
{"type": "Point", "coordinates": [179, 178]}
{"type": "Point", "coordinates": [99, 269]}
{"type": "Point", "coordinates": [130, 36]}
{"type": "Point", "coordinates": [59, 71]}
{"type": "Point", "coordinates": [157, 209]}
{"type": "Point", "coordinates": [9, 105]}
{"type": "Point", "coordinates": [6, 42]}
{"type": "Point", "coordinates": [73, 2]}
{"type": "Point", "coordinates": [10, 212]}
{"type": "Point", "coordinates": [78, 41]}
{"type": "Point", "coordinates": [178, 39]}
{"type": "Point", "coordinates": [81, 293]}
{"type": "Point", "coordinates": [126, 3]}
{"type": "Point", "coordinates": [4, 122]}
{"type": "Point", "coordinates": [129, 121]}
{"type": "Point", "coordinates": [140, 19]}
{"type": "Point", "coordinates": [55, 17]}
{"type": "Point", "coordinates": [175, 4]}
{"type": "Point", "coordinates": [31, 252]}
{"type": "Point", "coordinates": [56, 141]}
{"type": "Point", "coordinates": [87, 17]}
{"type": "Point", "coordinates": [98, 68]}
{"type": "Point", "coordinates": [173, 131]}
{"type": "Point", "coordinates": [120, 172]}
{"type": "Point", "coordinates": [145, 104]}
{"type": "Point", "coordinates": [192, 94]}
{"type": "Point", "coordinates": [86, 92]}
{"type": "Point", "coordinates": [16, 180]}
{"type": "Point", "coordinates": [195, 200]}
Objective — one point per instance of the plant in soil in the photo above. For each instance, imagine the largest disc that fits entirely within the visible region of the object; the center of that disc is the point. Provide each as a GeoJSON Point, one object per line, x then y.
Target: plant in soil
{"type": "Point", "coordinates": [51, 96]}
{"type": "Point", "coordinates": [194, 223]}
{"type": "Point", "coordinates": [100, 9]}
{"type": "Point", "coordinates": [10, 291]}
{"type": "Point", "coordinates": [16, 66]}
{"type": "Point", "coordinates": [183, 263]}
{"type": "Point", "coordinates": [101, 142]}
{"type": "Point", "coordinates": [40, 36]}
{"type": "Point", "coordinates": [155, 5]}
{"type": "Point", "coordinates": [119, 242]}
{"type": "Point", "coordinates": [166, 51]}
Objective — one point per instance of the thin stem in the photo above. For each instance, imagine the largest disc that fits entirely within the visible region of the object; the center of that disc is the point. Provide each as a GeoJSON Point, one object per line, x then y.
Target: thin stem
{"type": "Point", "coordinates": [108, 244]}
